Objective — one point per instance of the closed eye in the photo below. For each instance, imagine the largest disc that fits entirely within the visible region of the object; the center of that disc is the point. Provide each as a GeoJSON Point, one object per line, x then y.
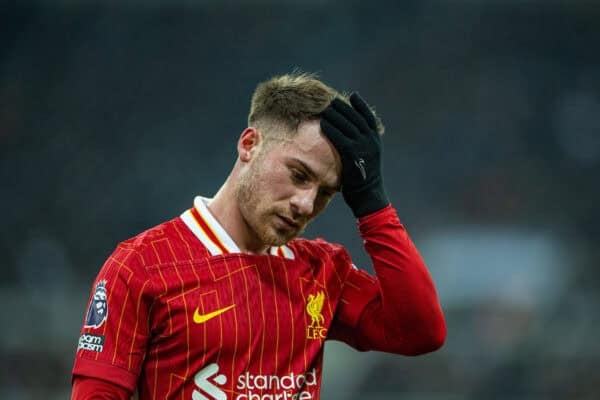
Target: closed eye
{"type": "Point", "coordinates": [326, 193]}
{"type": "Point", "coordinates": [299, 177]}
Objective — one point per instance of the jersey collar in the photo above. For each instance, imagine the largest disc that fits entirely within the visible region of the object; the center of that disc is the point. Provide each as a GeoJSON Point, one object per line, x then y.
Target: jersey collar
{"type": "Point", "coordinates": [213, 236]}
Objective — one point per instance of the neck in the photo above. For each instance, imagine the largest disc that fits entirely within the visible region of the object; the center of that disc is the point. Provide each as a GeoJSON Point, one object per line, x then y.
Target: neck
{"type": "Point", "coordinates": [225, 209]}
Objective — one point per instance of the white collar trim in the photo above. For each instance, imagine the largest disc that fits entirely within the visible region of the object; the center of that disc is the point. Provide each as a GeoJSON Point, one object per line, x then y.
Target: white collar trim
{"type": "Point", "coordinates": [214, 237]}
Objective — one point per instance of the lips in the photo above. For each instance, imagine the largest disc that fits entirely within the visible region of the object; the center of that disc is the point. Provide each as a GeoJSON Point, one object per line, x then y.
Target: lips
{"type": "Point", "coordinates": [289, 222]}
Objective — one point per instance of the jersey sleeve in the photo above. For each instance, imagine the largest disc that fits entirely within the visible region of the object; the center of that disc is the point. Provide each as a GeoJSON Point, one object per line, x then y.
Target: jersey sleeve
{"type": "Point", "coordinates": [115, 329]}
{"type": "Point", "coordinates": [398, 310]}
{"type": "Point", "coordinates": [85, 388]}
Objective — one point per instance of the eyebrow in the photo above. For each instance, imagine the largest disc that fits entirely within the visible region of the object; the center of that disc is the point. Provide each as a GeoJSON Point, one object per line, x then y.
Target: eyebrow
{"type": "Point", "coordinates": [313, 175]}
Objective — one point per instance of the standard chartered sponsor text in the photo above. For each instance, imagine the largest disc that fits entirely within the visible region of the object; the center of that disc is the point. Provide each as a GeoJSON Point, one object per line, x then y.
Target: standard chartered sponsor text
{"type": "Point", "coordinates": [290, 387]}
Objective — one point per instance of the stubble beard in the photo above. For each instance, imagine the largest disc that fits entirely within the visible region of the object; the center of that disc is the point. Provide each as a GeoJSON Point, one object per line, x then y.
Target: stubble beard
{"type": "Point", "coordinates": [250, 200]}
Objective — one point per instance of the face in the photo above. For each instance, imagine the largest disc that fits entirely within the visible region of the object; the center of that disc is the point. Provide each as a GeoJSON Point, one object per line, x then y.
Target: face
{"type": "Point", "coordinates": [284, 185]}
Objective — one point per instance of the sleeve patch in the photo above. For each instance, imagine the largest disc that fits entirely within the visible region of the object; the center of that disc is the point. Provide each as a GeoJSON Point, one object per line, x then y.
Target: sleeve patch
{"type": "Point", "coordinates": [91, 342]}
{"type": "Point", "coordinates": [98, 309]}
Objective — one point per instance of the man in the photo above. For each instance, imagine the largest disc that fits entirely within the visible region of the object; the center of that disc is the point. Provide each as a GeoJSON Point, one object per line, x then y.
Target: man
{"type": "Point", "coordinates": [225, 302]}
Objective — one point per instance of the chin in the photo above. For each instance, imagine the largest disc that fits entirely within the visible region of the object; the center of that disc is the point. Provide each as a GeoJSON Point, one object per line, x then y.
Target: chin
{"type": "Point", "coordinates": [275, 238]}
{"type": "Point", "coordinates": [279, 240]}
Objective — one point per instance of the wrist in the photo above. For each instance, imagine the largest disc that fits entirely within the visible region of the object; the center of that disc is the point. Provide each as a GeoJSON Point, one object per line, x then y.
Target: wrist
{"type": "Point", "coordinates": [366, 200]}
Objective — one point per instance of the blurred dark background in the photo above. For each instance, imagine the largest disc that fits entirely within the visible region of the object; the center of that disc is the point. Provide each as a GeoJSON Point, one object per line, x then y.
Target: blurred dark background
{"type": "Point", "coordinates": [115, 114]}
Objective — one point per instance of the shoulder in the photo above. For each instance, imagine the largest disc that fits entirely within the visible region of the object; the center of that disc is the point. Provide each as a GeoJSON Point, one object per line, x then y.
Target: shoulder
{"type": "Point", "coordinates": [319, 249]}
{"type": "Point", "coordinates": [139, 247]}
{"type": "Point", "coordinates": [131, 260]}
{"type": "Point", "coordinates": [168, 243]}
{"type": "Point", "coordinates": [141, 241]}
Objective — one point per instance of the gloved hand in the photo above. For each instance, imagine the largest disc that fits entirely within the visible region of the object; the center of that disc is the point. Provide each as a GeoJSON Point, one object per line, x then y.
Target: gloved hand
{"type": "Point", "coordinates": [353, 132]}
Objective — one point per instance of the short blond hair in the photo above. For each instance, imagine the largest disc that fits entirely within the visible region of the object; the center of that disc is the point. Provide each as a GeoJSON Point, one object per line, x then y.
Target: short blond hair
{"type": "Point", "coordinates": [288, 100]}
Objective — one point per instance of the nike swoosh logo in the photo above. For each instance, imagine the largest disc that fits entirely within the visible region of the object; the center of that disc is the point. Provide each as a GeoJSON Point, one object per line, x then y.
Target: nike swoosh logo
{"type": "Point", "coordinates": [202, 318]}
{"type": "Point", "coordinates": [360, 164]}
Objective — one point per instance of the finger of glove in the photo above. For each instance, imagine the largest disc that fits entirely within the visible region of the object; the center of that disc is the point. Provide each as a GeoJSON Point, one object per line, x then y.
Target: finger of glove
{"type": "Point", "coordinates": [351, 115]}
{"type": "Point", "coordinates": [342, 123]}
{"type": "Point", "coordinates": [340, 141]}
{"type": "Point", "coordinates": [363, 108]}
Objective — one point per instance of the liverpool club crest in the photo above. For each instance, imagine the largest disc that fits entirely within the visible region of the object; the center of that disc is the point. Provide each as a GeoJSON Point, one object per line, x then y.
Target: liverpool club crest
{"type": "Point", "coordinates": [314, 305]}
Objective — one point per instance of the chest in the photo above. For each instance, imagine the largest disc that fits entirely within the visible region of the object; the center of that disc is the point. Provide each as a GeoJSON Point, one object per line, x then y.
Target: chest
{"type": "Point", "coordinates": [267, 310]}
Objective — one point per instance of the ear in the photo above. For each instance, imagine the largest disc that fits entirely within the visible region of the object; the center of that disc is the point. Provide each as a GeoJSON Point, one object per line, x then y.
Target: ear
{"type": "Point", "coordinates": [248, 143]}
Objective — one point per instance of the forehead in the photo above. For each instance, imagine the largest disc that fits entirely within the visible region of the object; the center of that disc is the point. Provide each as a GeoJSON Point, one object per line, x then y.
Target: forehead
{"type": "Point", "coordinates": [311, 147]}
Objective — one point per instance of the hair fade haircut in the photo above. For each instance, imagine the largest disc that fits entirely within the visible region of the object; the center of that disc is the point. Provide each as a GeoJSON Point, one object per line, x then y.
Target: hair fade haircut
{"type": "Point", "coordinates": [290, 99]}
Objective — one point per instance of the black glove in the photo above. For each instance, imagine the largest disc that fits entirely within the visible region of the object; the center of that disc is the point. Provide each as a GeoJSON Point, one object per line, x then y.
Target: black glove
{"type": "Point", "coordinates": [353, 132]}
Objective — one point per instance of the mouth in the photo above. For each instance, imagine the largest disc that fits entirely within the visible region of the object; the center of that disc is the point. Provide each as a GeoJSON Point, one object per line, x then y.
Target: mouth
{"type": "Point", "coordinates": [289, 223]}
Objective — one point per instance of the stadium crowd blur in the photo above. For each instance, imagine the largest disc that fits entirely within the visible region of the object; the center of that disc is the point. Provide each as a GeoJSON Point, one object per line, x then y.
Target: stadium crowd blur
{"type": "Point", "coordinates": [113, 115]}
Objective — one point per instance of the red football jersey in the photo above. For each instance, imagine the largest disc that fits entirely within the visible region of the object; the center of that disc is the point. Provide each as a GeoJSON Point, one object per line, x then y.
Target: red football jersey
{"type": "Point", "coordinates": [179, 313]}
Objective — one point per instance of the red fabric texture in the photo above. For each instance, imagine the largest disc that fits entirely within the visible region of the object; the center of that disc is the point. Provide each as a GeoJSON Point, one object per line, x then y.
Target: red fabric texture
{"type": "Point", "coordinates": [181, 320]}
{"type": "Point", "coordinates": [97, 389]}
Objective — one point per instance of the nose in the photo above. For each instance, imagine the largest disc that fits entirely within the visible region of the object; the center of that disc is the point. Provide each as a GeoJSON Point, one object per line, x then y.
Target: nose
{"type": "Point", "coordinates": [303, 201]}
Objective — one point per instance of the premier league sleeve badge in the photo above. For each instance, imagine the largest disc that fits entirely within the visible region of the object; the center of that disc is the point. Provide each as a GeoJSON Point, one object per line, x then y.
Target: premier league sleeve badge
{"type": "Point", "coordinates": [98, 309]}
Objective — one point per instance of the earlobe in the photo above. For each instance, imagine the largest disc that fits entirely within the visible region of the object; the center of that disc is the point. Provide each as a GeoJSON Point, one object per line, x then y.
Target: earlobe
{"type": "Point", "coordinates": [248, 142]}
{"type": "Point", "coordinates": [244, 155]}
